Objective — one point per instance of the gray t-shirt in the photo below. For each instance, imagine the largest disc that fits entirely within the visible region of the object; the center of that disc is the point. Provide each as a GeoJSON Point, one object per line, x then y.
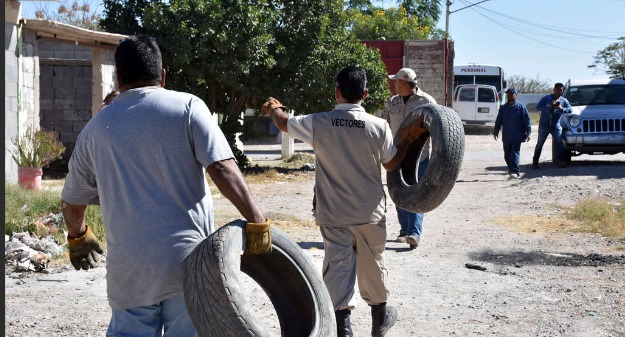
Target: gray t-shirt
{"type": "Point", "coordinates": [143, 159]}
{"type": "Point", "coordinates": [350, 146]}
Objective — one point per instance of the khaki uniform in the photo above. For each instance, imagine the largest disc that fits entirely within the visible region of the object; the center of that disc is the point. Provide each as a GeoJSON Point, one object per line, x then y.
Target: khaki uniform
{"type": "Point", "coordinates": [350, 146]}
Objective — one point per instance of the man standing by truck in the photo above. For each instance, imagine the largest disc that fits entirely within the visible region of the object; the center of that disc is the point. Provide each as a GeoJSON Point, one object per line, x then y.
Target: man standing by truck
{"type": "Point", "coordinates": [515, 119]}
{"type": "Point", "coordinates": [408, 97]}
{"type": "Point", "coordinates": [551, 107]}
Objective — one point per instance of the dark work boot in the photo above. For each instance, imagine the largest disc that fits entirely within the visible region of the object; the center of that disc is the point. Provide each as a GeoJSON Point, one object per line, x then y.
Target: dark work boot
{"type": "Point", "coordinates": [535, 163]}
{"type": "Point", "coordinates": [383, 318]}
{"type": "Point", "coordinates": [343, 325]}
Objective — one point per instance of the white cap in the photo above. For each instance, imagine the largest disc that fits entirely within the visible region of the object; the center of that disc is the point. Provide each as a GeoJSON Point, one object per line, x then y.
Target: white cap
{"type": "Point", "coordinates": [405, 74]}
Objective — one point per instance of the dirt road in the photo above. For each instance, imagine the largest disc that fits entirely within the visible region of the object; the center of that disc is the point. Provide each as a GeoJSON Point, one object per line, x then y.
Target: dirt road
{"type": "Point", "coordinates": [537, 282]}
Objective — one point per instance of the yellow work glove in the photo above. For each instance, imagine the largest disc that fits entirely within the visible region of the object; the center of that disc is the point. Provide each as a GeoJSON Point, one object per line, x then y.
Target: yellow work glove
{"type": "Point", "coordinates": [84, 251]}
{"type": "Point", "coordinates": [413, 131]}
{"type": "Point", "coordinates": [270, 105]}
{"type": "Point", "coordinates": [258, 237]}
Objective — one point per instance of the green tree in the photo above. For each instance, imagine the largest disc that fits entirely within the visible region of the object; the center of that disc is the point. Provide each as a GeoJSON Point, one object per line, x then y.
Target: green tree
{"type": "Point", "coordinates": [360, 5]}
{"type": "Point", "coordinates": [424, 10]}
{"type": "Point", "coordinates": [124, 16]}
{"type": "Point", "coordinates": [611, 60]}
{"type": "Point", "coordinates": [388, 24]}
{"type": "Point", "coordinates": [527, 85]}
{"type": "Point", "coordinates": [234, 54]}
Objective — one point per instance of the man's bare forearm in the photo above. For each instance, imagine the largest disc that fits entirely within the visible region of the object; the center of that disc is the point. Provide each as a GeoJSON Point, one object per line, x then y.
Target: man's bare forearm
{"type": "Point", "coordinates": [231, 183]}
{"type": "Point", "coordinates": [74, 216]}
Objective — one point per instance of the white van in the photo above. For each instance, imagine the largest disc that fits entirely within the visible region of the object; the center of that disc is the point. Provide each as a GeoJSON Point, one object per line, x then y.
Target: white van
{"type": "Point", "coordinates": [476, 104]}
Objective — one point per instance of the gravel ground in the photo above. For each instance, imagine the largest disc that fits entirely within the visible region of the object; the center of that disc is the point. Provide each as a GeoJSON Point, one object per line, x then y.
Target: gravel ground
{"type": "Point", "coordinates": [531, 281]}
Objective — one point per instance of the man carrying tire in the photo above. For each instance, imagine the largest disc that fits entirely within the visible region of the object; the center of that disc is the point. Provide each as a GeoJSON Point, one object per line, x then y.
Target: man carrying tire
{"type": "Point", "coordinates": [350, 147]}
{"type": "Point", "coordinates": [144, 159]}
{"type": "Point", "coordinates": [409, 97]}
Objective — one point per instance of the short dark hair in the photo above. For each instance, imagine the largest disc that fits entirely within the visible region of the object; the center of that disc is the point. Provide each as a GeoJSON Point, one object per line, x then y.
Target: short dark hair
{"type": "Point", "coordinates": [110, 97]}
{"type": "Point", "coordinates": [352, 82]}
{"type": "Point", "coordinates": [138, 59]}
{"type": "Point", "coordinates": [558, 85]}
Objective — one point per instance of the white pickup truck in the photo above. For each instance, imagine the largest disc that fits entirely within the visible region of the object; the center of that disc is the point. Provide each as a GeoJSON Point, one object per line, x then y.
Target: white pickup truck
{"type": "Point", "coordinates": [476, 104]}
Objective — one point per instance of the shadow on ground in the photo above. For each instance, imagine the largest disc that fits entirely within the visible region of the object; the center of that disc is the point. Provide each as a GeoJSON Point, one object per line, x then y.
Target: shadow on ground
{"type": "Point", "coordinates": [602, 169]}
{"type": "Point", "coordinates": [308, 245]}
{"type": "Point", "coordinates": [519, 258]}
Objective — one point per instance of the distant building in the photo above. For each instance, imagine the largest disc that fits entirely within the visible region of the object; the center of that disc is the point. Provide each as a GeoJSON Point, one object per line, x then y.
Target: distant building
{"type": "Point", "coordinates": [56, 76]}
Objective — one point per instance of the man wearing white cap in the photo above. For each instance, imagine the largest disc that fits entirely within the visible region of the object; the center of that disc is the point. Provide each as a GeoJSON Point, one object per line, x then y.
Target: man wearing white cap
{"type": "Point", "coordinates": [408, 97]}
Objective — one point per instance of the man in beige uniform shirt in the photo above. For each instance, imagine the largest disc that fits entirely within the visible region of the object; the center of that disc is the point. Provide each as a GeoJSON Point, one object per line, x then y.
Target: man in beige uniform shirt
{"type": "Point", "coordinates": [351, 146]}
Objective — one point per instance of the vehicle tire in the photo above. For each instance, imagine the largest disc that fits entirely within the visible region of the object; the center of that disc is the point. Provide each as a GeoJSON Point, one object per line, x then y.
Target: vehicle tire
{"type": "Point", "coordinates": [213, 291]}
{"type": "Point", "coordinates": [446, 132]}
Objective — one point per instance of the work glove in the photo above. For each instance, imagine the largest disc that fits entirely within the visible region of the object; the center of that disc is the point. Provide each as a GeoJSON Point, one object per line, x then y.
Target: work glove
{"type": "Point", "coordinates": [270, 105]}
{"type": "Point", "coordinates": [84, 251]}
{"type": "Point", "coordinates": [258, 237]}
{"type": "Point", "coordinates": [413, 131]}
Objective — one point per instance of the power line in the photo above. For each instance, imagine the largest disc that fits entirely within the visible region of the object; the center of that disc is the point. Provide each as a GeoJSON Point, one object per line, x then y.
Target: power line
{"type": "Point", "coordinates": [566, 30]}
{"type": "Point", "coordinates": [516, 31]}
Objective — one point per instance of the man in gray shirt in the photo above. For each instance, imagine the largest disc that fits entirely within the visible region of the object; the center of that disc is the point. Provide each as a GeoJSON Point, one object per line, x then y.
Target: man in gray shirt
{"type": "Point", "coordinates": [144, 159]}
{"type": "Point", "coordinates": [351, 146]}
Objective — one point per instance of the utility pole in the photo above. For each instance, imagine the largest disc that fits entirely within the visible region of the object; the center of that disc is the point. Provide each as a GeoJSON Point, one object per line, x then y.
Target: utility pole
{"type": "Point", "coordinates": [448, 12]}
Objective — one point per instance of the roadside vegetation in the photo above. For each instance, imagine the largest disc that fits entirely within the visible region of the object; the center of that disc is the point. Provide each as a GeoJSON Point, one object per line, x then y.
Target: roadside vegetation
{"type": "Point", "coordinates": [37, 212]}
{"type": "Point", "coordinates": [598, 216]}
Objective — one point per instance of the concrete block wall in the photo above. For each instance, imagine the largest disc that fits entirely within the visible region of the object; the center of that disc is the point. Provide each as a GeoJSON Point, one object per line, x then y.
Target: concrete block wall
{"type": "Point", "coordinates": [427, 59]}
{"type": "Point", "coordinates": [65, 87]}
{"type": "Point", "coordinates": [10, 98]}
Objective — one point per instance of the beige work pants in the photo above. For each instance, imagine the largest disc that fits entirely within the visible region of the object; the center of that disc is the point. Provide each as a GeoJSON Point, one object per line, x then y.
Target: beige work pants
{"type": "Point", "coordinates": [355, 252]}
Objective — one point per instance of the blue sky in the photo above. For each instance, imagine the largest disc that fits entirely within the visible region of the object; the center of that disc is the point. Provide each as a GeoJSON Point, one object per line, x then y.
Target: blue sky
{"type": "Point", "coordinates": [551, 40]}
{"type": "Point", "coordinates": [554, 40]}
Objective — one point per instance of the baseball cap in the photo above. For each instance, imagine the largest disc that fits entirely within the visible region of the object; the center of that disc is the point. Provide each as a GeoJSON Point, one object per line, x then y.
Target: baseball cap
{"type": "Point", "coordinates": [512, 90]}
{"type": "Point", "coordinates": [405, 74]}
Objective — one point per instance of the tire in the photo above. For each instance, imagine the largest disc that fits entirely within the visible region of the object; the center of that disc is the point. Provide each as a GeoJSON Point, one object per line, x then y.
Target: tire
{"type": "Point", "coordinates": [217, 306]}
{"type": "Point", "coordinates": [447, 136]}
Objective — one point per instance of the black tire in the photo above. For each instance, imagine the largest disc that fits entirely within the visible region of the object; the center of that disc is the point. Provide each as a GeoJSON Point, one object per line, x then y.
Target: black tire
{"type": "Point", "coordinates": [447, 136]}
{"type": "Point", "coordinates": [217, 306]}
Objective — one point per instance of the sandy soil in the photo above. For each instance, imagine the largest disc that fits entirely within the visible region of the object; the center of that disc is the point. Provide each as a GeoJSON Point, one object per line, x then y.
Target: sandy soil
{"type": "Point", "coordinates": [537, 281]}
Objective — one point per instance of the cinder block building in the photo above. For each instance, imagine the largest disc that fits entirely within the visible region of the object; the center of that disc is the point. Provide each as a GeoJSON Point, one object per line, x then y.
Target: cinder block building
{"type": "Point", "coordinates": [56, 77]}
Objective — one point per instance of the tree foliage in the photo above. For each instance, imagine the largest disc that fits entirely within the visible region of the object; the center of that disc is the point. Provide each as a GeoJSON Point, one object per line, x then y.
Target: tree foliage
{"type": "Point", "coordinates": [424, 10]}
{"type": "Point", "coordinates": [79, 15]}
{"type": "Point", "coordinates": [611, 60]}
{"type": "Point", "coordinates": [390, 24]}
{"type": "Point", "coordinates": [234, 54]}
{"type": "Point", "coordinates": [525, 85]}
{"type": "Point", "coordinates": [411, 20]}
{"type": "Point", "coordinates": [124, 16]}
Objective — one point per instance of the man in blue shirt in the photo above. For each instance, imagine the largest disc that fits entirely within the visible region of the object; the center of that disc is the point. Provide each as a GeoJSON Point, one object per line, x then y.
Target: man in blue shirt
{"type": "Point", "coordinates": [551, 108]}
{"type": "Point", "coordinates": [515, 119]}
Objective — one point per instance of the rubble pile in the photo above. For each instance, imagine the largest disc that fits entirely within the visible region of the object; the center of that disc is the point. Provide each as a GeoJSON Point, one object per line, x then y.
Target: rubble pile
{"type": "Point", "coordinates": [27, 252]}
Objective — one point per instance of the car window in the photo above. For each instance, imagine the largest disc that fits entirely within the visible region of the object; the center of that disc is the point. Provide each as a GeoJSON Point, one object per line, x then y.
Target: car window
{"type": "Point", "coordinates": [485, 95]}
{"type": "Point", "coordinates": [596, 95]}
{"type": "Point", "coordinates": [467, 94]}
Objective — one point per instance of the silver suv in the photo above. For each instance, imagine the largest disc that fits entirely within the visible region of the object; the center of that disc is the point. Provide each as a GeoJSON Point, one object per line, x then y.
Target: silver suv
{"type": "Point", "coordinates": [596, 124]}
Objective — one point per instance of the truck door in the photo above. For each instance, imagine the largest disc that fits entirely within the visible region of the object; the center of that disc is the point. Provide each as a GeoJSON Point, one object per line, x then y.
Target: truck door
{"type": "Point", "coordinates": [487, 104]}
{"type": "Point", "coordinates": [464, 103]}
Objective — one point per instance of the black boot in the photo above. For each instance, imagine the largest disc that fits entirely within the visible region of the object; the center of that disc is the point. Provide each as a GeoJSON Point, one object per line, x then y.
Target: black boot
{"type": "Point", "coordinates": [383, 318]}
{"type": "Point", "coordinates": [343, 325]}
{"type": "Point", "coordinates": [535, 163]}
